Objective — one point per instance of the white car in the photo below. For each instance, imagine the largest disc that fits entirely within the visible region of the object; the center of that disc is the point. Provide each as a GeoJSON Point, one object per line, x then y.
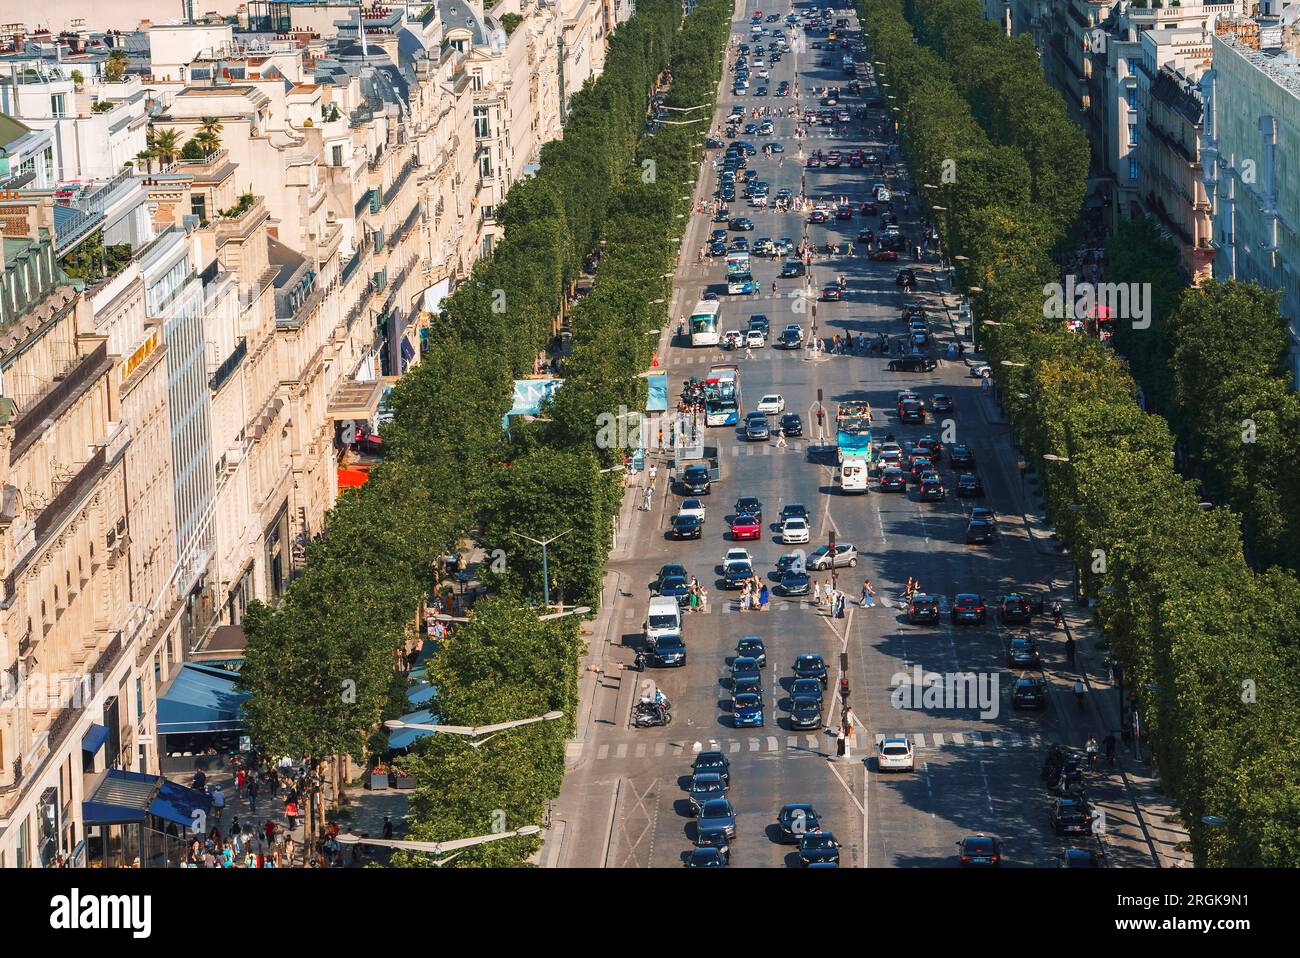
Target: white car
{"type": "Point", "coordinates": [981, 371]}
{"type": "Point", "coordinates": [773, 404]}
{"type": "Point", "coordinates": [794, 530]}
{"type": "Point", "coordinates": [736, 555]}
{"type": "Point", "coordinates": [755, 338]}
{"type": "Point", "coordinates": [895, 755]}
{"type": "Point", "coordinates": [885, 448]}
{"type": "Point", "coordinates": [692, 507]}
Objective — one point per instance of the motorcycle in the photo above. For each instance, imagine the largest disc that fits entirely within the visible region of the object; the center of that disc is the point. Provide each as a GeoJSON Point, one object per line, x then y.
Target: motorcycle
{"type": "Point", "coordinates": [650, 715]}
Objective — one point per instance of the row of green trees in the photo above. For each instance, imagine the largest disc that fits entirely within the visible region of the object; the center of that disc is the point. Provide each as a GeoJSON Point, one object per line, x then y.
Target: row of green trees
{"type": "Point", "coordinates": [319, 665]}
{"type": "Point", "coordinates": [1209, 645]}
{"type": "Point", "coordinates": [1215, 363]}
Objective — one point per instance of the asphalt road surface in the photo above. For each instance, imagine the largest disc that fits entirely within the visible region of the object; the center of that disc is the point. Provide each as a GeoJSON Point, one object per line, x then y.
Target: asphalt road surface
{"type": "Point", "coordinates": [624, 803]}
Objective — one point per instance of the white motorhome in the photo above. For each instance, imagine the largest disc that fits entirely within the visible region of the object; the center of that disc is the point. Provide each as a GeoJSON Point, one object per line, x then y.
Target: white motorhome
{"type": "Point", "coordinates": [852, 476]}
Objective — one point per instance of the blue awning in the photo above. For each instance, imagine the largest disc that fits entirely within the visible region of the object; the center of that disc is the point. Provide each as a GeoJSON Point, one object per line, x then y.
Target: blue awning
{"type": "Point", "coordinates": [399, 738]}
{"type": "Point", "coordinates": [529, 397]}
{"type": "Point", "coordinates": [420, 693]}
{"type": "Point", "coordinates": [201, 699]}
{"type": "Point", "coordinates": [125, 798]}
{"type": "Point", "coordinates": [657, 397]}
{"type": "Point", "coordinates": [94, 738]}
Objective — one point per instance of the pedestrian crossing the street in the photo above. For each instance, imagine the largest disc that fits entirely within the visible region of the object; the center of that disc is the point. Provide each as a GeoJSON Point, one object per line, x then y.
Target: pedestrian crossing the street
{"type": "Point", "coordinates": [820, 745]}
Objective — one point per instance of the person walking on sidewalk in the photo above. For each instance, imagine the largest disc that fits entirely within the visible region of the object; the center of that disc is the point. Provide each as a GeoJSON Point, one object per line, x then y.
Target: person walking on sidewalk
{"type": "Point", "coordinates": [1110, 749]}
{"type": "Point", "coordinates": [867, 593]}
{"type": "Point", "coordinates": [1091, 749]}
{"type": "Point", "coordinates": [1069, 649]}
{"type": "Point", "coordinates": [817, 594]}
{"type": "Point", "coordinates": [654, 473]}
{"type": "Point", "coordinates": [218, 804]}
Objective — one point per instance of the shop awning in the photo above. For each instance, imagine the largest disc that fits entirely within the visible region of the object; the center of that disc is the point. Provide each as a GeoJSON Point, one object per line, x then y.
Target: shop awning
{"type": "Point", "coordinates": [125, 798]}
{"type": "Point", "coordinates": [529, 397]}
{"type": "Point", "coordinates": [399, 738]}
{"type": "Point", "coordinates": [356, 399]}
{"type": "Point", "coordinates": [201, 699]}
{"type": "Point", "coordinates": [94, 738]}
{"type": "Point", "coordinates": [657, 396]}
{"type": "Point", "coordinates": [420, 693]}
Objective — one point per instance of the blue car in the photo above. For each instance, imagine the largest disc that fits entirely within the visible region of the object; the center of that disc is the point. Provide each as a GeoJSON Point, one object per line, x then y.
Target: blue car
{"type": "Point", "coordinates": [717, 814]}
{"type": "Point", "coordinates": [747, 711]}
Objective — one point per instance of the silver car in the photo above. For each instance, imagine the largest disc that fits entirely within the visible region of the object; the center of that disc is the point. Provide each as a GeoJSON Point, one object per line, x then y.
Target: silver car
{"type": "Point", "coordinates": [846, 555]}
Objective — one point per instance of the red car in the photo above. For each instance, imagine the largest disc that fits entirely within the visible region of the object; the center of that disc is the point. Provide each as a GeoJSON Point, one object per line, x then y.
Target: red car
{"type": "Point", "coordinates": [817, 216]}
{"type": "Point", "coordinates": [844, 213]}
{"type": "Point", "coordinates": [813, 162]}
{"type": "Point", "coordinates": [831, 293]}
{"type": "Point", "coordinates": [883, 255]}
{"type": "Point", "coordinates": [746, 527]}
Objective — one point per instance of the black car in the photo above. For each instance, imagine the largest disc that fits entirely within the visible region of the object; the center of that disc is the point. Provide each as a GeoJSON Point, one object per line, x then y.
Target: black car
{"type": "Point", "coordinates": [893, 479]}
{"type": "Point", "coordinates": [713, 760]}
{"type": "Point", "coordinates": [791, 267]}
{"type": "Point", "coordinates": [749, 685]}
{"type": "Point", "coordinates": [668, 651]}
{"type": "Point", "coordinates": [805, 712]}
{"type": "Point", "coordinates": [941, 402]}
{"type": "Point", "coordinates": [962, 457]}
{"type": "Point", "coordinates": [979, 851]}
{"type": "Point", "coordinates": [795, 821]}
{"type": "Point", "coordinates": [718, 813]}
{"type": "Point", "coordinates": [1029, 693]}
{"type": "Point", "coordinates": [818, 847]}
{"type": "Point", "coordinates": [789, 339]}
{"type": "Point", "coordinates": [923, 609]}
{"type": "Point", "coordinates": [1016, 609]}
{"type": "Point", "coordinates": [969, 485]}
{"type": "Point", "coordinates": [750, 506]}
{"type": "Point", "coordinates": [687, 527]}
{"type": "Point", "coordinates": [675, 587]}
{"type": "Point", "coordinates": [672, 570]}
{"type": "Point", "coordinates": [717, 248]}
{"type": "Point", "coordinates": [736, 575]}
{"type": "Point", "coordinates": [1071, 816]}
{"type": "Point", "coordinates": [969, 609]}
{"type": "Point", "coordinates": [912, 364]}
{"type": "Point", "coordinates": [911, 410]}
{"type": "Point", "coordinates": [1079, 858]}
{"type": "Point", "coordinates": [713, 143]}
{"type": "Point", "coordinates": [743, 667]}
{"type": "Point", "coordinates": [791, 560]}
{"type": "Point", "coordinates": [795, 582]}
{"type": "Point", "coordinates": [1022, 652]}
{"type": "Point", "coordinates": [932, 488]}
{"type": "Point", "coordinates": [795, 510]}
{"type": "Point", "coordinates": [695, 480]}
{"type": "Point", "coordinates": [708, 857]}
{"type": "Point", "coordinates": [808, 666]}
{"type": "Point", "coordinates": [979, 532]}
{"type": "Point", "coordinates": [751, 646]}
{"type": "Point", "coordinates": [704, 787]}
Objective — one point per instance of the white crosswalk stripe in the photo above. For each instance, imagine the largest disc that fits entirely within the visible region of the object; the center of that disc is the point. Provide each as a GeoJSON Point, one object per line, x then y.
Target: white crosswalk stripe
{"type": "Point", "coordinates": [792, 742]}
{"type": "Point", "coordinates": [621, 751]}
{"type": "Point", "coordinates": [640, 750]}
{"type": "Point", "coordinates": [660, 749]}
{"type": "Point", "coordinates": [772, 745]}
{"type": "Point", "coordinates": [603, 752]}
{"type": "Point", "coordinates": [753, 745]}
{"type": "Point", "coordinates": [735, 747]}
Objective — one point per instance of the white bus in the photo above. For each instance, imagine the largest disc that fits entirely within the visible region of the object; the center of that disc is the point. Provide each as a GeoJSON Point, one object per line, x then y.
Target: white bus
{"type": "Point", "coordinates": [704, 323]}
{"type": "Point", "coordinates": [852, 476]}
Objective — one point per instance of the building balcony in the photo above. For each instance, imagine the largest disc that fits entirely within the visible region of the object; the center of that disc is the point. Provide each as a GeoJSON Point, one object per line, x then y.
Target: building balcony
{"type": "Point", "coordinates": [239, 222]}
{"type": "Point", "coordinates": [62, 395]}
{"type": "Point", "coordinates": [228, 366]}
{"type": "Point", "coordinates": [213, 170]}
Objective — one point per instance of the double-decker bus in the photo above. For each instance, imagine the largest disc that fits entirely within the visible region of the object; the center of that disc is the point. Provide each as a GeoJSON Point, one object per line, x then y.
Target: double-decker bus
{"type": "Point", "coordinates": [722, 395]}
{"type": "Point", "coordinates": [704, 323]}
{"type": "Point", "coordinates": [739, 279]}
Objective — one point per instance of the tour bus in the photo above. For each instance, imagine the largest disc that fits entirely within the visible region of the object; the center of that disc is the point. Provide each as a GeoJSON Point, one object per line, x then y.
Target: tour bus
{"type": "Point", "coordinates": [704, 323]}
{"type": "Point", "coordinates": [722, 395]}
{"type": "Point", "coordinates": [739, 279]}
{"type": "Point", "coordinates": [852, 476]}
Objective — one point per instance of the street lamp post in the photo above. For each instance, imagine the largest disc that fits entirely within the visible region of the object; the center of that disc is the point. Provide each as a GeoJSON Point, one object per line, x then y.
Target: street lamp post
{"type": "Point", "coordinates": [456, 846]}
{"type": "Point", "coordinates": [546, 578]}
{"type": "Point", "coordinates": [475, 736]}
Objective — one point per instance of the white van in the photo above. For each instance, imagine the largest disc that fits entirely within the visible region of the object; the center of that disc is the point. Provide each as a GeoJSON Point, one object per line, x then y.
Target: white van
{"type": "Point", "coordinates": [852, 476]}
{"type": "Point", "coordinates": [663, 617]}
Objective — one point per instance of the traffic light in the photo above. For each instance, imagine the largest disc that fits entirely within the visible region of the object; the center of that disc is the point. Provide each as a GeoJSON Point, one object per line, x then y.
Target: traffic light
{"type": "Point", "coordinates": [832, 544]}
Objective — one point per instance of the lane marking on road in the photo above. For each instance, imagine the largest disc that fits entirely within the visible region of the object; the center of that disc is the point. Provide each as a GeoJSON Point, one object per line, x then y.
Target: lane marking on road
{"type": "Point", "coordinates": [603, 752]}
{"type": "Point", "coordinates": [660, 749]}
{"type": "Point", "coordinates": [621, 751]}
{"type": "Point", "coordinates": [929, 786]}
{"type": "Point", "coordinates": [753, 745]}
{"type": "Point", "coordinates": [938, 739]}
{"type": "Point", "coordinates": [772, 744]}
{"type": "Point", "coordinates": [987, 794]}
{"type": "Point", "coordinates": [735, 747]}
{"type": "Point", "coordinates": [958, 738]}
{"type": "Point", "coordinates": [640, 750]}
{"type": "Point", "coordinates": [792, 741]}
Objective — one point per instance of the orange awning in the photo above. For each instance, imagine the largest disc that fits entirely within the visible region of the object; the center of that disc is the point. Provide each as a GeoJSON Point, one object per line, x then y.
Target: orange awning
{"type": "Point", "coordinates": [352, 478]}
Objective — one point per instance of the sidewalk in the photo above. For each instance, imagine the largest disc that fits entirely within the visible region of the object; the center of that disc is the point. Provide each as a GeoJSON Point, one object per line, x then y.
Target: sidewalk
{"type": "Point", "coordinates": [1141, 827]}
